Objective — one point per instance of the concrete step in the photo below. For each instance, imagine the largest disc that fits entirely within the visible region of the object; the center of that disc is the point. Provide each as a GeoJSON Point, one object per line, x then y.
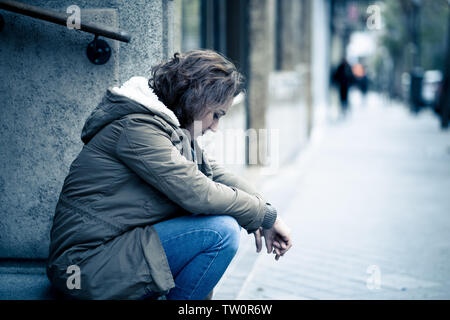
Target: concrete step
{"type": "Point", "coordinates": [25, 280]}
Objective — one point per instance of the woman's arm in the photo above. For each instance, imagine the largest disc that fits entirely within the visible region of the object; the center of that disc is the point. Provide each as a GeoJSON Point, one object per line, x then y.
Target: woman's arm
{"type": "Point", "coordinates": [224, 176]}
{"type": "Point", "coordinates": [147, 150]}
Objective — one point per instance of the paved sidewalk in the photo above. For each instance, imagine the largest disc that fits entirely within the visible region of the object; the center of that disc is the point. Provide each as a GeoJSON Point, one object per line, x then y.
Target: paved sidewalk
{"type": "Point", "coordinates": [369, 208]}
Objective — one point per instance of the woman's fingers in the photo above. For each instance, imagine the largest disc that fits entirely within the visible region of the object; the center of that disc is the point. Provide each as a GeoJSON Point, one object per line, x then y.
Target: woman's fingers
{"type": "Point", "coordinates": [277, 253]}
{"type": "Point", "coordinates": [282, 245]}
{"type": "Point", "coordinates": [258, 240]}
{"type": "Point", "coordinates": [269, 243]}
{"type": "Point", "coordinates": [277, 244]}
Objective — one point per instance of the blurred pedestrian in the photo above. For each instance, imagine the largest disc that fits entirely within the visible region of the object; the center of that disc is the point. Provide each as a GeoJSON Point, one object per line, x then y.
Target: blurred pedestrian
{"type": "Point", "coordinates": [343, 77]}
{"type": "Point", "coordinates": [443, 101]}
{"type": "Point", "coordinates": [360, 77]}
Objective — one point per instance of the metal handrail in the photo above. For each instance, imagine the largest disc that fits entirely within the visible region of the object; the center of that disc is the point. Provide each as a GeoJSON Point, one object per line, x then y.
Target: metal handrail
{"type": "Point", "coordinates": [61, 19]}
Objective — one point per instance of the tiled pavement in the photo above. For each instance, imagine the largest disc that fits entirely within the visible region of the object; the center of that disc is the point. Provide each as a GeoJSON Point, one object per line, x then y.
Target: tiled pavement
{"type": "Point", "coordinates": [369, 209]}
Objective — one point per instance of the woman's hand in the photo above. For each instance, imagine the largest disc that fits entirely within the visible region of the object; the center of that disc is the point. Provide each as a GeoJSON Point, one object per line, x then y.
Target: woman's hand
{"type": "Point", "coordinates": [277, 239]}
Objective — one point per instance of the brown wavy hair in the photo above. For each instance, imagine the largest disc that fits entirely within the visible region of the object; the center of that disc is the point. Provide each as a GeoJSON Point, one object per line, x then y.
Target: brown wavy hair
{"type": "Point", "coordinates": [193, 83]}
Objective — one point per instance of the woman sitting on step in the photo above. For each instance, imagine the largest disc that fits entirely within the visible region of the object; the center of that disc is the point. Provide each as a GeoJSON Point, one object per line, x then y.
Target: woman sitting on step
{"type": "Point", "coordinates": [143, 212]}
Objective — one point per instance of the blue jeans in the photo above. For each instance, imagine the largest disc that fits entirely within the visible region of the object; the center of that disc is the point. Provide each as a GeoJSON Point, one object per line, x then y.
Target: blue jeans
{"type": "Point", "coordinates": [199, 250]}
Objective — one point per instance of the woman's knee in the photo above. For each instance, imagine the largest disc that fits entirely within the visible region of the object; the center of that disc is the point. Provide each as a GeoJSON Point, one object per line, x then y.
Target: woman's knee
{"type": "Point", "coordinates": [230, 232]}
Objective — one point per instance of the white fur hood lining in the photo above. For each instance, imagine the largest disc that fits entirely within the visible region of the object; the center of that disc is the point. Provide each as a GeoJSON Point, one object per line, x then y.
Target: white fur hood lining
{"type": "Point", "coordinates": [137, 89]}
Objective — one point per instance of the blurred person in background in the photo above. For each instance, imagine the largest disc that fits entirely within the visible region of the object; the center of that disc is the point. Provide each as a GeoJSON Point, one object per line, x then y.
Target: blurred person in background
{"type": "Point", "coordinates": [443, 102]}
{"type": "Point", "coordinates": [343, 77]}
{"type": "Point", "coordinates": [360, 77]}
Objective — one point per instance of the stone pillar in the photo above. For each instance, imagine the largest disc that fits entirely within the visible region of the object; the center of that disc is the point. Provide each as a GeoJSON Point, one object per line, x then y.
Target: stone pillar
{"type": "Point", "coordinates": [177, 26]}
{"type": "Point", "coordinates": [290, 33]}
{"type": "Point", "coordinates": [261, 58]}
{"type": "Point", "coordinates": [306, 61]}
{"type": "Point", "coordinates": [48, 88]}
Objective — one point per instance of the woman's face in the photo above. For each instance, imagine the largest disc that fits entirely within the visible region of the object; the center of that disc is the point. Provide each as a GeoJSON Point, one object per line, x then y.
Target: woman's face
{"type": "Point", "coordinates": [209, 122]}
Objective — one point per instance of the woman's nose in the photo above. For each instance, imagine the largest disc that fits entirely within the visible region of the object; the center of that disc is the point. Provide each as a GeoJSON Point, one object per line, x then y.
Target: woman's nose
{"type": "Point", "coordinates": [215, 125]}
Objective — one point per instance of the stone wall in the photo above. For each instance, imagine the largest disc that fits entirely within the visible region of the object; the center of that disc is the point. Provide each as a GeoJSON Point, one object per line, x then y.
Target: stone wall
{"type": "Point", "coordinates": [47, 88]}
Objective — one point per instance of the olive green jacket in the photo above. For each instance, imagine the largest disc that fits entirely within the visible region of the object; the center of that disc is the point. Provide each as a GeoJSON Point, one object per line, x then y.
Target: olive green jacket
{"type": "Point", "coordinates": [135, 169]}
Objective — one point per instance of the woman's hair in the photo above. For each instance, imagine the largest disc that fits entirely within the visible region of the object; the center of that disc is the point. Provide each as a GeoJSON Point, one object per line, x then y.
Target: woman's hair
{"type": "Point", "coordinates": [195, 82]}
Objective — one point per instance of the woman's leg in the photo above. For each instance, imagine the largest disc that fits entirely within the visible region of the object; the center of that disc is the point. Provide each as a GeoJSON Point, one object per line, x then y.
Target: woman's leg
{"type": "Point", "coordinates": [199, 250]}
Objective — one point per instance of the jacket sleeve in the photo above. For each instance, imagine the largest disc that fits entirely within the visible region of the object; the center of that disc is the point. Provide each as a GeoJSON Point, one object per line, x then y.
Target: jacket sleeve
{"type": "Point", "coordinates": [148, 151]}
{"type": "Point", "coordinates": [224, 176]}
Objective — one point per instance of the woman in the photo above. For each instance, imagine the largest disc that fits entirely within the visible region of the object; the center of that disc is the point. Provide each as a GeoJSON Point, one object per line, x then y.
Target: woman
{"type": "Point", "coordinates": [143, 212]}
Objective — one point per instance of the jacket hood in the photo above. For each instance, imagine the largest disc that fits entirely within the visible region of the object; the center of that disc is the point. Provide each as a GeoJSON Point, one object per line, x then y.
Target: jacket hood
{"type": "Point", "coordinates": [134, 96]}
